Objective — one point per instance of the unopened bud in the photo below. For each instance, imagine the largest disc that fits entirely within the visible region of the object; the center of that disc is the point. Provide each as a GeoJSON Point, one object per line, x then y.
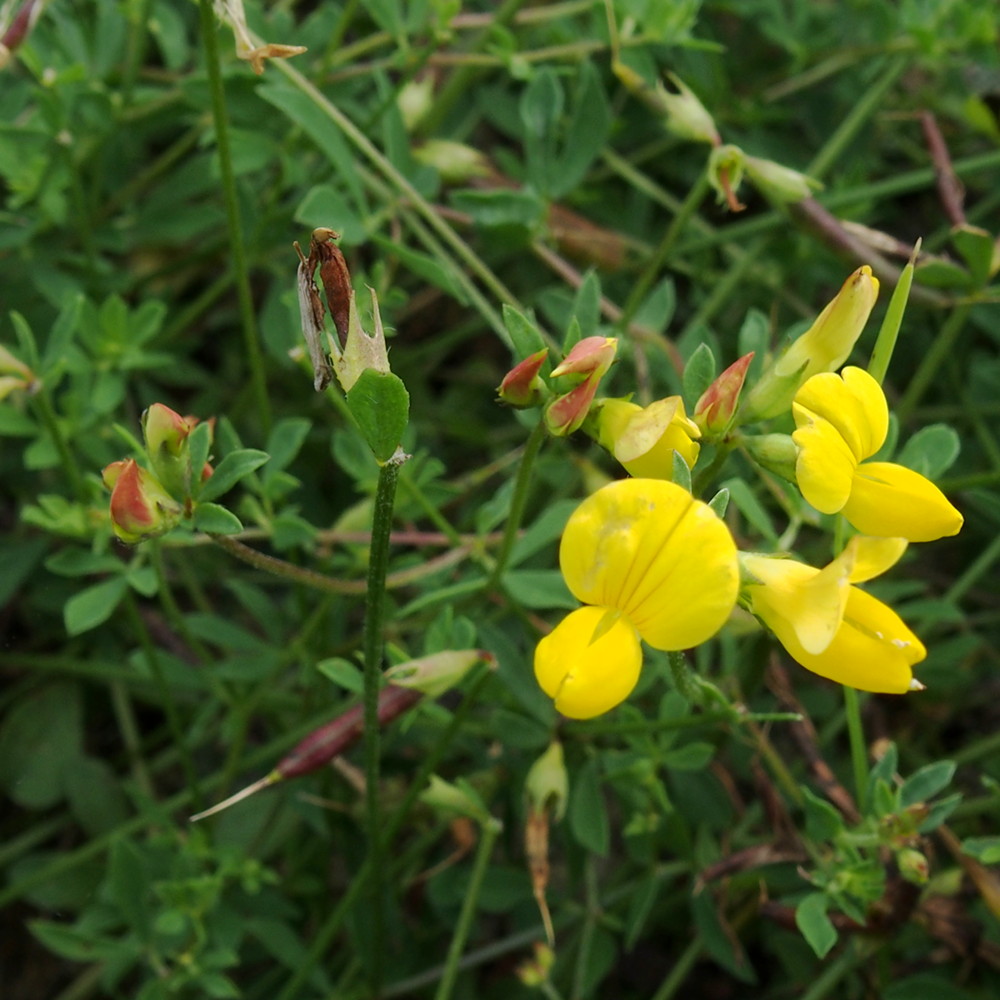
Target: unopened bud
{"type": "Point", "coordinates": [521, 386]}
{"type": "Point", "coordinates": [824, 347]}
{"type": "Point", "coordinates": [454, 161]}
{"type": "Point", "coordinates": [165, 430]}
{"type": "Point", "coordinates": [644, 439]}
{"type": "Point", "coordinates": [433, 675]}
{"type": "Point", "coordinates": [455, 798]}
{"type": "Point", "coordinates": [140, 507]}
{"type": "Point", "coordinates": [414, 100]}
{"type": "Point", "coordinates": [683, 113]}
{"type": "Point", "coordinates": [14, 374]}
{"type": "Point", "coordinates": [913, 866]}
{"type": "Point", "coordinates": [547, 784]}
{"type": "Point", "coordinates": [566, 413]}
{"type": "Point", "coordinates": [590, 356]}
{"type": "Point", "coordinates": [778, 183]}
{"type": "Point", "coordinates": [775, 452]}
{"type": "Point", "coordinates": [716, 407]}
{"type": "Point", "coordinates": [535, 971]}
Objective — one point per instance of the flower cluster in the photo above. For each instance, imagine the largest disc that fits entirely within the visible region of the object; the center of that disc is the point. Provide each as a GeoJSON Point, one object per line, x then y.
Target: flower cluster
{"type": "Point", "coordinates": [146, 503]}
{"type": "Point", "coordinates": [650, 563]}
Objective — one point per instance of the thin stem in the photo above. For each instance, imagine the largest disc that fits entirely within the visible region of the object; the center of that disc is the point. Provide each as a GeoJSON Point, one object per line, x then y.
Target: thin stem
{"type": "Point", "coordinates": [518, 501]}
{"type": "Point", "coordinates": [933, 360]}
{"type": "Point", "coordinates": [490, 832]}
{"type": "Point", "coordinates": [869, 103]}
{"type": "Point", "coordinates": [43, 407]}
{"type": "Point", "coordinates": [859, 752]}
{"type": "Point", "coordinates": [209, 31]}
{"type": "Point", "coordinates": [168, 703]}
{"type": "Point", "coordinates": [681, 970]}
{"type": "Point", "coordinates": [385, 495]}
{"type": "Point", "coordinates": [662, 253]}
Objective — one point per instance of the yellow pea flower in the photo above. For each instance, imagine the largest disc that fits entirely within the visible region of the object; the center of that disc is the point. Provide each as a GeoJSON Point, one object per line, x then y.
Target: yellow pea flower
{"type": "Point", "coordinates": [843, 420]}
{"type": "Point", "coordinates": [644, 439]}
{"type": "Point", "coordinates": [831, 627]}
{"type": "Point", "coordinates": [652, 563]}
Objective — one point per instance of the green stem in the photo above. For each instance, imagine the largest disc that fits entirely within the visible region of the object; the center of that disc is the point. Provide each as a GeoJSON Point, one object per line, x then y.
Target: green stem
{"type": "Point", "coordinates": [168, 704]}
{"type": "Point", "coordinates": [859, 752]}
{"type": "Point", "coordinates": [518, 501]}
{"type": "Point", "coordinates": [869, 103]}
{"type": "Point", "coordinates": [832, 974]}
{"type": "Point", "coordinates": [378, 562]}
{"type": "Point", "coordinates": [681, 970]}
{"type": "Point", "coordinates": [645, 281]}
{"type": "Point", "coordinates": [43, 407]}
{"type": "Point", "coordinates": [209, 31]}
{"type": "Point", "coordinates": [932, 361]}
{"type": "Point", "coordinates": [490, 831]}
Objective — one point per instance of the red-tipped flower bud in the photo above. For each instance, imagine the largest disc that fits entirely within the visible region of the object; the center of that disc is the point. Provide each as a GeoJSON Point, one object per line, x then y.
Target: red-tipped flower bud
{"type": "Point", "coordinates": [521, 386]}
{"type": "Point", "coordinates": [590, 356]}
{"type": "Point", "coordinates": [714, 411]}
{"type": "Point", "coordinates": [165, 430]}
{"type": "Point", "coordinates": [566, 413]}
{"type": "Point", "coordinates": [140, 507]}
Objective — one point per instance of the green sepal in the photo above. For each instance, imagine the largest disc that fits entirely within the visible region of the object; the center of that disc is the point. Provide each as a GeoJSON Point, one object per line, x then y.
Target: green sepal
{"type": "Point", "coordinates": [380, 404]}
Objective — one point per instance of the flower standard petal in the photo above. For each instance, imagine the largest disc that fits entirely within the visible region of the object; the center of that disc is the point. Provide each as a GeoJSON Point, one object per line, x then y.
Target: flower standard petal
{"type": "Point", "coordinates": [589, 663]}
{"type": "Point", "coordinates": [648, 549]}
{"type": "Point", "coordinates": [890, 500]}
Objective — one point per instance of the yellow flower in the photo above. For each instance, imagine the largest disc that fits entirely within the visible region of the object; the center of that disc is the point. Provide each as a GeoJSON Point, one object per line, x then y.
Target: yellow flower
{"type": "Point", "coordinates": [644, 439]}
{"type": "Point", "coordinates": [843, 420]}
{"type": "Point", "coordinates": [653, 563]}
{"type": "Point", "coordinates": [832, 628]}
{"type": "Point", "coordinates": [589, 663]}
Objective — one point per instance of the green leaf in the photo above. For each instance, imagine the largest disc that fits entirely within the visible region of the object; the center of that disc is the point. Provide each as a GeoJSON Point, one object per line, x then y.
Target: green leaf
{"type": "Point", "coordinates": [426, 267]}
{"type": "Point", "coordinates": [38, 737]}
{"type": "Point", "coordinates": [343, 673]}
{"type": "Point", "coordinates": [586, 133]}
{"type": "Point", "coordinates": [234, 467]}
{"type": "Point", "coordinates": [816, 927]}
{"type": "Point", "coordinates": [93, 606]}
{"type": "Point", "coordinates": [82, 562]}
{"type": "Point", "coordinates": [588, 814]}
{"type": "Point", "coordinates": [977, 250]}
{"type": "Point", "coordinates": [525, 336]}
{"type": "Point", "coordinates": [939, 812]}
{"type": "Point", "coordinates": [68, 942]}
{"type": "Point", "coordinates": [284, 443]}
{"type": "Point", "coordinates": [698, 374]}
{"type": "Point", "coordinates": [500, 208]}
{"type": "Point", "coordinates": [931, 451]}
{"type": "Point", "coordinates": [926, 783]}
{"type": "Point", "coordinates": [540, 108]}
{"type": "Point", "coordinates": [539, 588]}
{"type": "Point", "coordinates": [94, 793]}
{"type": "Point", "coordinates": [694, 756]}
{"type": "Point", "coordinates": [214, 519]}
{"type": "Point", "coordinates": [984, 849]}
{"type": "Point", "coordinates": [750, 507]}
{"type": "Point", "coordinates": [823, 821]}
{"type": "Point", "coordinates": [380, 404]}
{"type": "Point", "coordinates": [200, 444]}
{"type": "Point", "coordinates": [587, 304]}
{"type": "Point", "coordinates": [720, 502]}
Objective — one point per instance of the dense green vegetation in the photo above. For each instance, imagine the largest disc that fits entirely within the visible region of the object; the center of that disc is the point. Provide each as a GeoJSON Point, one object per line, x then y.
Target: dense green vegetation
{"type": "Point", "coordinates": [743, 829]}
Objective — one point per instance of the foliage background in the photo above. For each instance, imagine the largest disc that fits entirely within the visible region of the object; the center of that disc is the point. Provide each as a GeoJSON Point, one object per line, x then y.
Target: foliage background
{"type": "Point", "coordinates": [142, 684]}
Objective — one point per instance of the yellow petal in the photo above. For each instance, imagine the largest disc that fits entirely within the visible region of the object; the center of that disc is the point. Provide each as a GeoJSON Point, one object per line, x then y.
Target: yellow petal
{"type": "Point", "coordinates": [589, 663]}
{"type": "Point", "coordinates": [648, 549]}
{"type": "Point", "coordinates": [891, 500]}
{"type": "Point", "coordinates": [796, 599]}
{"type": "Point", "coordinates": [873, 650]}
{"type": "Point", "coordinates": [853, 402]}
{"type": "Point", "coordinates": [644, 439]}
{"type": "Point", "coordinates": [825, 466]}
{"type": "Point", "coordinates": [873, 556]}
